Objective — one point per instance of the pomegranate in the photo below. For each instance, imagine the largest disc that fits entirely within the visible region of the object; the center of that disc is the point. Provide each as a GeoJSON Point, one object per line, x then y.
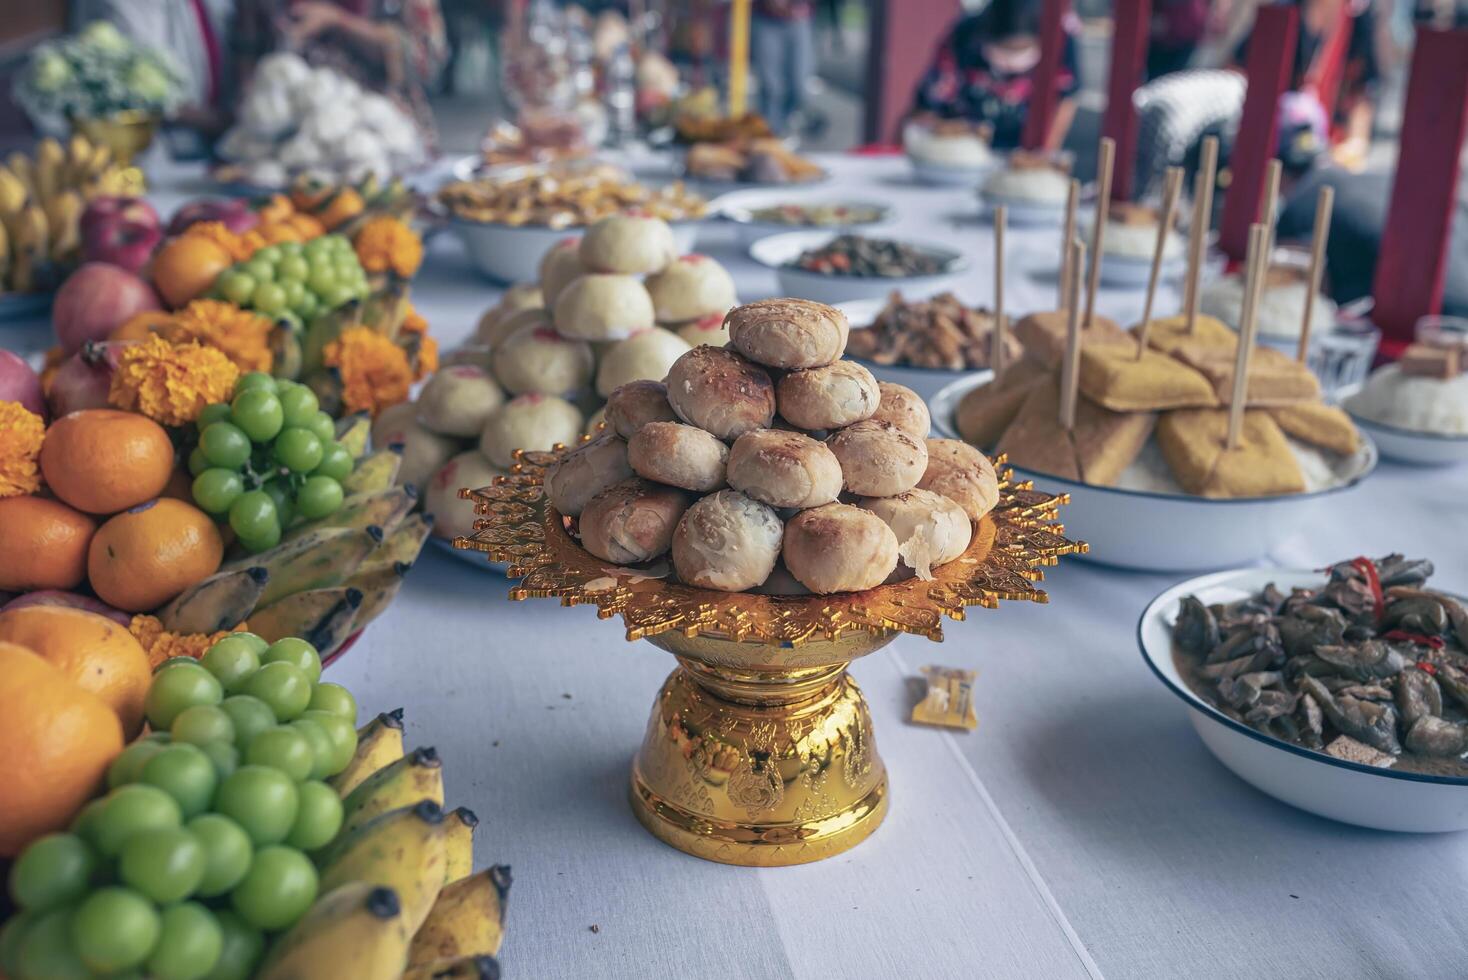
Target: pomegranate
{"type": "Point", "coordinates": [95, 300]}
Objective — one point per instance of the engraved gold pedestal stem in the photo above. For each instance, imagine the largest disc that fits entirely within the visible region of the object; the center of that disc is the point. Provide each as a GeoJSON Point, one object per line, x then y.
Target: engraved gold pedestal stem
{"type": "Point", "coordinates": [761, 765]}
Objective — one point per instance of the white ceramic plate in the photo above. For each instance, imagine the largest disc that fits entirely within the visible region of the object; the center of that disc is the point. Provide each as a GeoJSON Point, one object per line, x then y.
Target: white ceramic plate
{"type": "Point", "coordinates": [947, 175]}
{"type": "Point", "coordinates": [777, 251]}
{"type": "Point", "coordinates": [1169, 532]}
{"type": "Point", "coordinates": [1367, 796]}
{"type": "Point", "coordinates": [1415, 448]}
{"type": "Point", "coordinates": [738, 209]}
{"type": "Point", "coordinates": [511, 254]}
{"type": "Point", "coordinates": [1027, 214]}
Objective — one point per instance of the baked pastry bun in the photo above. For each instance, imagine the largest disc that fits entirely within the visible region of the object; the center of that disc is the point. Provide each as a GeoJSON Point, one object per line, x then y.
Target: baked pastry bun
{"type": "Point", "coordinates": [531, 422]}
{"type": "Point", "coordinates": [931, 529]}
{"type": "Point", "coordinates": [457, 400]}
{"type": "Point", "coordinates": [518, 298]}
{"type": "Point", "coordinates": [788, 333]}
{"type": "Point", "coordinates": [904, 408]}
{"type": "Point", "coordinates": [559, 267]}
{"type": "Point", "coordinates": [536, 358]}
{"type": "Point", "coordinates": [878, 459]}
{"type": "Point", "coordinates": [728, 542]}
{"type": "Point", "coordinates": [454, 517]}
{"type": "Point", "coordinates": [692, 286]}
{"type": "Point", "coordinates": [830, 397]}
{"type": "Point", "coordinates": [586, 471]}
{"type": "Point", "coordinates": [678, 455]}
{"type": "Point", "coordinates": [784, 469]}
{"type": "Point", "coordinates": [631, 406]}
{"type": "Point", "coordinates": [648, 354]}
{"type": "Point", "coordinates": [498, 330]}
{"type": "Point", "coordinates": [423, 450]}
{"type": "Point", "coordinates": [603, 307]}
{"type": "Point", "coordinates": [709, 330]}
{"type": "Point", "coordinates": [630, 243]}
{"type": "Point", "coordinates": [963, 474]}
{"type": "Point", "coordinates": [631, 521]}
{"type": "Point", "coordinates": [839, 548]}
{"type": "Point", "coordinates": [720, 392]}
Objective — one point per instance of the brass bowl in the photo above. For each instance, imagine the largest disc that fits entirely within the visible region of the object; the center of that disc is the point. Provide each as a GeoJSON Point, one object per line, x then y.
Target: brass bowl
{"type": "Point", "coordinates": [759, 751]}
{"type": "Point", "coordinates": [125, 133]}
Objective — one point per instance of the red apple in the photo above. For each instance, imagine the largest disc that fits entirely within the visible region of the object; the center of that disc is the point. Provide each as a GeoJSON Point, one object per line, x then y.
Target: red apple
{"type": "Point", "coordinates": [110, 210]}
{"type": "Point", "coordinates": [95, 300]}
{"type": "Point", "coordinates": [125, 244]}
{"type": "Point", "coordinates": [235, 213]}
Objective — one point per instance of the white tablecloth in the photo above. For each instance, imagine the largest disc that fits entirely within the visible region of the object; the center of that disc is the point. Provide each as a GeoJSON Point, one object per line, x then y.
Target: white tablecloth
{"type": "Point", "coordinates": [1082, 830]}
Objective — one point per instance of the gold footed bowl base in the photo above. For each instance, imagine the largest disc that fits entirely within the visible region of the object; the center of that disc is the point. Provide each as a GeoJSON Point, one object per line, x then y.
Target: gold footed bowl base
{"type": "Point", "coordinates": [752, 763]}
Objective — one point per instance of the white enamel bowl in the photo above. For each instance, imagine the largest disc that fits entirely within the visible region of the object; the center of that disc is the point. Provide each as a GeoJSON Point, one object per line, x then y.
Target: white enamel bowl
{"type": "Point", "coordinates": [1168, 532]}
{"type": "Point", "coordinates": [512, 253]}
{"type": "Point", "coordinates": [927, 382]}
{"type": "Point", "coordinates": [778, 251]}
{"type": "Point", "coordinates": [1026, 213]}
{"type": "Point", "coordinates": [1132, 272]}
{"type": "Point", "coordinates": [949, 175]}
{"type": "Point", "coordinates": [1415, 448]}
{"type": "Point", "coordinates": [737, 208]}
{"type": "Point", "coordinates": [1367, 796]}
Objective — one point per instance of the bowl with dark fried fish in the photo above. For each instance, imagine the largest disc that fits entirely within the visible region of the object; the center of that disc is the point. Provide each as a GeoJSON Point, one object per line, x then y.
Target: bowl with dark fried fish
{"type": "Point", "coordinates": [1342, 691]}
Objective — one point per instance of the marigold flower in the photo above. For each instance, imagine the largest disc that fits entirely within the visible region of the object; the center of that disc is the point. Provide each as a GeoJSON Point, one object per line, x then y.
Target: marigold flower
{"type": "Point", "coordinates": [161, 644]}
{"type": "Point", "coordinates": [242, 335]}
{"type": "Point", "coordinates": [218, 233]}
{"type": "Point", "coordinates": [374, 371]}
{"type": "Point", "coordinates": [21, 435]}
{"type": "Point", "coordinates": [388, 243]}
{"type": "Point", "coordinates": [170, 383]}
{"type": "Point", "coordinates": [427, 358]}
{"type": "Point", "coordinates": [413, 322]}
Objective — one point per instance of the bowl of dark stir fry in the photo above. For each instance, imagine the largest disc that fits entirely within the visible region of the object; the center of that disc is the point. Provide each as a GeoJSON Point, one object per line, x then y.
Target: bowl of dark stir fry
{"type": "Point", "coordinates": [1341, 691]}
{"type": "Point", "coordinates": [832, 268]}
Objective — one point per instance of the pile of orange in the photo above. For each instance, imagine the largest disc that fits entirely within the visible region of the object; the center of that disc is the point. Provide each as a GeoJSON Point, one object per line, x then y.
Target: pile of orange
{"type": "Point", "coordinates": [108, 524]}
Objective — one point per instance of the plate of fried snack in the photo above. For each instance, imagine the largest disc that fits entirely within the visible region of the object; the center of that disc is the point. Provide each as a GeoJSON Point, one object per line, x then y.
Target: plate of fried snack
{"type": "Point", "coordinates": [1342, 691]}
{"type": "Point", "coordinates": [762, 161]}
{"type": "Point", "coordinates": [1182, 445]}
{"type": "Point", "coordinates": [760, 213]}
{"type": "Point", "coordinates": [508, 222]}
{"type": "Point", "coordinates": [773, 465]}
{"type": "Point", "coordinates": [1417, 408]}
{"type": "Point", "coordinates": [923, 343]}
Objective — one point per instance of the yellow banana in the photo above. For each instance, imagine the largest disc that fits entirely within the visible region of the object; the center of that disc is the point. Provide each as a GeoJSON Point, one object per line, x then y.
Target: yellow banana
{"type": "Point", "coordinates": [24, 169]}
{"type": "Point", "coordinates": [319, 560]}
{"type": "Point", "coordinates": [13, 192]}
{"type": "Point", "coordinates": [356, 930]}
{"type": "Point", "coordinates": [383, 508]}
{"type": "Point", "coordinates": [402, 850]}
{"type": "Point", "coordinates": [78, 155]}
{"type": "Point", "coordinates": [402, 546]}
{"type": "Point", "coordinates": [220, 602]}
{"type": "Point", "coordinates": [352, 432]}
{"type": "Point", "coordinates": [50, 168]}
{"type": "Point", "coordinates": [4, 255]}
{"type": "Point", "coordinates": [459, 844]}
{"type": "Point", "coordinates": [321, 617]}
{"type": "Point", "coordinates": [379, 586]}
{"type": "Point", "coordinates": [468, 968]}
{"type": "Point", "coordinates": [64, 215]}
{"type": "Point", "coordinates": [35, 230]}
{"type": "Point", "coordinates": [100, 160]}
{"type": "Point", "coordinates": [467, 919]}
{"type": "Point", "coordinates": [376, 471]}
{"type": "Point", "coordinates": [416, 776]}
{"type": "Point", "coordinates": [379, 743]}
{"type": "Point", "coordinates": [29, 247]}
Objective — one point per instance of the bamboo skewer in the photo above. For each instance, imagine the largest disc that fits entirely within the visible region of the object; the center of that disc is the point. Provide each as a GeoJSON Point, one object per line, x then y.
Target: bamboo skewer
{"type": "Point", "coordinates": [996, 349]}
{"type": "Point", "coordinates": [1255, 263]}
{"type": "Point", "coordinates": [1202, 223]}
{"type": "Point", "coordinates": [1324, 205]}
{"type": "Point", "coordinates": [1072, 202]}
{"type": "Point", "coordinates": [1272, 177]}
{"type": "Point", "coordinates": [1070, 372]}
{"type": "Point", "coordinates": [1098, 233]}
{"type": "Point", "coordinates": [1171, 188]}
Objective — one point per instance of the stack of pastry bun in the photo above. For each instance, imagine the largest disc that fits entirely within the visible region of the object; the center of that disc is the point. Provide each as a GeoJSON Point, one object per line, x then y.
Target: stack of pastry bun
{"type": "Point", "coordinates": [616, 305]}
{"type": "Point", "coordinates": [770, 464]}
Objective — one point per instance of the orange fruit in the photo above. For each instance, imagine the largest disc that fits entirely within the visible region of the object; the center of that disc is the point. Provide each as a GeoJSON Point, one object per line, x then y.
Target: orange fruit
{"type": "Point", "coordinates": [277, 208]}
{"type": "Point", "coordinates": [186, 268]}
{"type": "Point", "coordinates": [280, 231]}
{"type": "Point", "coordinates": [98, 655]}
{"type": "Point", "coordinates": [102, 461]}
{"type": "Point", "coordinates": [345, 205]}
{"type": "Point", "coordinates": [43, 544]}
{"type": "Point", "coordinates": [306, 226]}
{"type": "Point", "coordinates": [145, 556]}
{"type": "Point", "coordinates": [59, 741]}
{"type": "Point", "coordinates": [140, 326]}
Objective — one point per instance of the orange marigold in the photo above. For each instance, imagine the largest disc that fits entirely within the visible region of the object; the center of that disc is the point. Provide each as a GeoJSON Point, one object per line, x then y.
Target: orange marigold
{"type": "Point", "coordinates": [21, 435]}
{"type": "Point", "coordinates": [219, 234]}
{"type": "Point", "coordinates": [170, 383]}
{"type": "Point", "coordinates": [413, 322]}
{"type": "Point", "coordinates": [387, 243]}
{"type": "Point", "coordinates": [374, 371]}
{"type": "Point", "coordinates": [160, 644]}
{"type": "Point", "coordinates": [242, 335]}
{"type": "Point", "coordinates": [427, 357]}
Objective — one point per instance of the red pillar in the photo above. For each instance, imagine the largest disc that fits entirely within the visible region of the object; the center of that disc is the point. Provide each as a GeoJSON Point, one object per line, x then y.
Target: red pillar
{"type": "Point", "coordinates": [1131, 22]}
{"type": "Point", "coordinates": [1052, 47]}
{"type": "Point", "coordinates": [1271, 62]}
{"type": "Point", "coordinates": [1412, 263]}
{"type": "Point", "coordinates": [902, 38]}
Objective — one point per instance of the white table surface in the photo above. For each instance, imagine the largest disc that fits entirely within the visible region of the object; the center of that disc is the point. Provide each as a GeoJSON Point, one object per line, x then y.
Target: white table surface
{"type": "Point", "coordinates": [1081, 830]}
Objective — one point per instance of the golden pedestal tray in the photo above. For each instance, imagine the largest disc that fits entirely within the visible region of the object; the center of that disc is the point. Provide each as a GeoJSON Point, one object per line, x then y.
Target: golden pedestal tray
{"type": "Point", "coordinates": [759, 751]}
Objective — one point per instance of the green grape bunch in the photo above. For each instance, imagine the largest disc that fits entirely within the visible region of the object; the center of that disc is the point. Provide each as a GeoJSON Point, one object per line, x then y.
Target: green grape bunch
{"type": "Point", "coordinates": [198, 850]}
{"type": "Point", "coordinates": [267, 459]}
{"type": "Point", "coordinates": [295, 281]}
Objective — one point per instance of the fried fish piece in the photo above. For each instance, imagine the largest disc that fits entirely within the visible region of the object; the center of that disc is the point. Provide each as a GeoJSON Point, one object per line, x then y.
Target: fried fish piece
{"type": "Point", "coordinates": [1044, 335]}
{"type": "Point", "coordinates": [1114, 377]}
{"type": "Point", "coordinates": [1102, 444]}
{"type": "Point", "coordinates": [1320, 425]}
{"type": "Point", "coordinates": [1194, 441]}
{"type": "Point", "coordinates": [985, 412]}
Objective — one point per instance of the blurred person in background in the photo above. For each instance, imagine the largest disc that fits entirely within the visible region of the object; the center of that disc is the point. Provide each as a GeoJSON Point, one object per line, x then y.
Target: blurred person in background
{"type": "Point", "coordinates": [984, 73]}
{"type": "Point", "coordinates": [782, 49]}
{"type": "Point", "coordinates": [395, 47]}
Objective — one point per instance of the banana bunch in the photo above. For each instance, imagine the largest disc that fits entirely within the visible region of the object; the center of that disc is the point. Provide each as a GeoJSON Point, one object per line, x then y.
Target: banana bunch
{"type": "Point", "coordinates": [326, 580]}
{"type": "Point", "coordinates": [399, 897]}
{"type": "Point", "coordinates": [42, 198]}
